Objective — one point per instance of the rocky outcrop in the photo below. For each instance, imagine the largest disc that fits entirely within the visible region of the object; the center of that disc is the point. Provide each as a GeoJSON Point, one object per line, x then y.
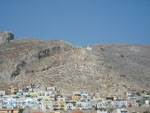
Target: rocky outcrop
{"type": "Point", "coordinates": [108, 68]}
{"type": "Point", "coordinates": [6, 36]}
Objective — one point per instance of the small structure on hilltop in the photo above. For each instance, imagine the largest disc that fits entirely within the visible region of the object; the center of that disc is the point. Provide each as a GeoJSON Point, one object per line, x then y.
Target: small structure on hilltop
{"type": "Point", "coordinates": [89, 48]}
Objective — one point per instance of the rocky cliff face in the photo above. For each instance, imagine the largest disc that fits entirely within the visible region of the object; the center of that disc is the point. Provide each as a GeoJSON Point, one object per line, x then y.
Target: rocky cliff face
{"type": "Point", "coordinates": [6, 36]}
{"type": "Point", "coordinates": [108, 68]}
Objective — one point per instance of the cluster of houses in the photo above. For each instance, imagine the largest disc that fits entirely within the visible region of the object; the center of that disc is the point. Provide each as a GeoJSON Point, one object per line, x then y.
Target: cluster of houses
{"type": "Point", "coordinates": [51, 99]}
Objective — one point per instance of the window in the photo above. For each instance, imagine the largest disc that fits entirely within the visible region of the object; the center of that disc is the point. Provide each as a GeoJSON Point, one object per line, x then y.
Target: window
{"type": "Point", "coordinates": [124, 112]}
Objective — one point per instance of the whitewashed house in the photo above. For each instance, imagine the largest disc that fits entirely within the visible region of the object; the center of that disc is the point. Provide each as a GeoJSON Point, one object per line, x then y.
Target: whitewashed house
{"type": "Point", "coordinates": [84, 105]}
{"type": "Point", "coordinates": [70, 106]}
{"type": "Point", "coordinates": [103, 104]}
{"type": "Point", "coordinates": [89, 48]}
{"type": "Point", "coordinates": [53, 90]}
{"type": "Point", "coordinates": [20, 90]}
{"type": "Point", "coordinates": [25, 94]}
{"type": "Point", "coordinates": [131, 95]}
{"type": "Point", "coordinates": [98, 111]}
{"type": "Point", "coordinates": [119, 103]}
{"type": "Point", "coordinates": [120, 111]}
{"type": "Point", "coordinates": [47, 93]}
{"type": "Point", "coordinates": [2, 93]}
{"type": "Point", "coordinates": [84, 94]}
{"type": "Point", "coordinates": [147, 103]}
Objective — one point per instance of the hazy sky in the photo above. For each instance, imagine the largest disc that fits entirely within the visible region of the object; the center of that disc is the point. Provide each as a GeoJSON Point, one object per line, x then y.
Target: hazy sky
{"type": "Point", "coordinates": [80, 22]}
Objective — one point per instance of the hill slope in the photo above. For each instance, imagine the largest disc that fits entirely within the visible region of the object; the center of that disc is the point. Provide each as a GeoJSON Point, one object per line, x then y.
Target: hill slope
{"type": "Point", "coordinates": [108, 68]}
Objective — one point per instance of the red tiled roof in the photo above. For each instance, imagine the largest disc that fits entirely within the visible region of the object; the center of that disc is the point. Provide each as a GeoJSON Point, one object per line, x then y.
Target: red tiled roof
{"type": "Point", "coordinates": [77, 111]}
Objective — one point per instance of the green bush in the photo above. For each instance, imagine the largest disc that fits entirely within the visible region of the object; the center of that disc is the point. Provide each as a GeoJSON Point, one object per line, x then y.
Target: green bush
{"type": "Point", "coordinates": [20, 110]}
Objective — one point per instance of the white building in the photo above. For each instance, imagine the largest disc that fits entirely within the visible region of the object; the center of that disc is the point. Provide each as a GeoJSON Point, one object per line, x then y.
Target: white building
{"type": "Point", "coordinates": [119, 103]}
{"type": "Point", "coordinates": [147, 103]}
{"type": "Point", "coordinates": [98, 111]}
{"type": "Point", "coordinates": [89, 48]}
{"type": "Point", "coordinates": [120, 111]}
{"type": "Point", "coordinates": [103, 104]}
{"type": "Point", "coordinates": [2, 93]}
{"type": "Point", "coordinates": [83, 105]}
{"type": "Point", "coordinates": [70, 106]}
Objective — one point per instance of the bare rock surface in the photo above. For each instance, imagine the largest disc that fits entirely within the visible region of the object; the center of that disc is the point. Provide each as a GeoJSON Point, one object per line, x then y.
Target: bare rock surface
{"type": "Point", "coordinates": [6, 36]}
{"type": "Point", "coordinates": [105, 68]}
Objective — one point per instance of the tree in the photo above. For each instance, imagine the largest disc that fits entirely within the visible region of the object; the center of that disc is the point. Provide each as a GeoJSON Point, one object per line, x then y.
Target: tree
{"type": "Point", "coordinates": [20, 110]}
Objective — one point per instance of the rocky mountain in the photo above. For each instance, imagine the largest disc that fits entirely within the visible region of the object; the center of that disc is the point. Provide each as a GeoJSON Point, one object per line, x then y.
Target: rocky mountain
{"type": "Point", "coordinates": [105, 68]}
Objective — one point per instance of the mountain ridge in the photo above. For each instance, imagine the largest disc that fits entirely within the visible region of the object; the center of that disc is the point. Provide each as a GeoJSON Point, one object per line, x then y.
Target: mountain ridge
{"type": "Point", "coordinates": [107, 68]}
